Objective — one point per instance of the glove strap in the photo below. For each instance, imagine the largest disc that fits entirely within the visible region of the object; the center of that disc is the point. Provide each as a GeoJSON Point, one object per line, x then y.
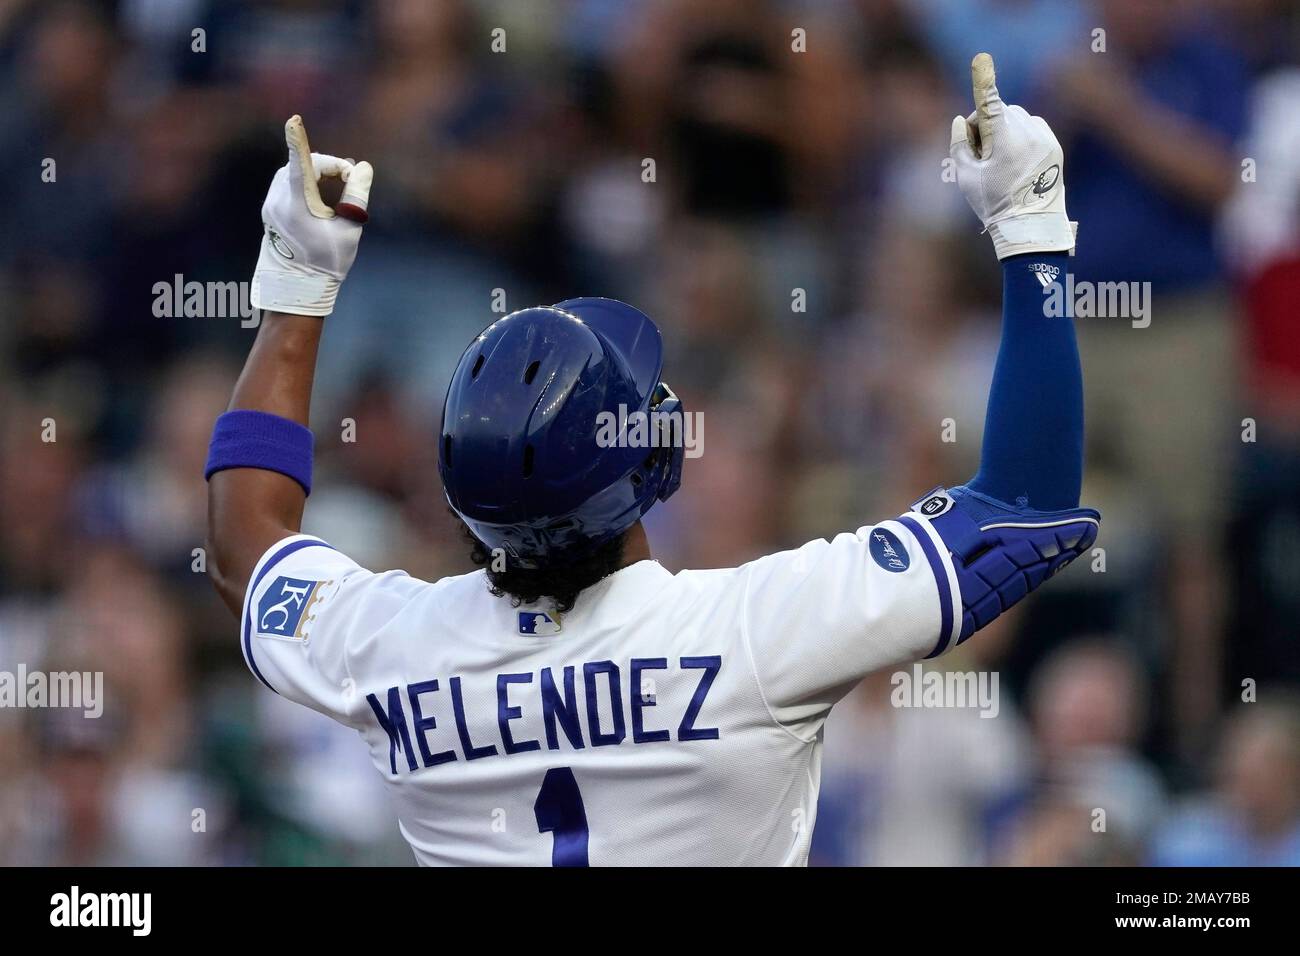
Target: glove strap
{"type": "Point", "coordinates": [298, 293]}
{"type": "Point", "coordinates": [1032, 232]}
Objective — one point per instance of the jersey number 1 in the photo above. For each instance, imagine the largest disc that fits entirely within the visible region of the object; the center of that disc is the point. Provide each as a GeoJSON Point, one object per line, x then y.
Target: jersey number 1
{"type": "Point", "coordinates": [559, 811]}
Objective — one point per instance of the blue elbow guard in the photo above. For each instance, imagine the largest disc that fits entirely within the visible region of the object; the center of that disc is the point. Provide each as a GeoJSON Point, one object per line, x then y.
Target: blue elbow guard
{"type": "Point", "coordinates": [999, 553]}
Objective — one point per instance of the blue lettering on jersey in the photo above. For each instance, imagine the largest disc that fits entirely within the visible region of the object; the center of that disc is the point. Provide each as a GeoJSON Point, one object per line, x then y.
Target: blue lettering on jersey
{"type": "Point", "coordinates": [565, 710]}
{"type": "Point", "coordinates": [688, 730]}
{"type": "Point", "coordinates": [393, 721]}
{"type": "Point", "coordinates": [462, 728]}
{"type": "Point", "coordinates": [563, 704]}
{"type": "Point", "coordinates": [643, 695]}
{"type": "Point", "coordinates": [425, 724]}
{"type": "Point", "coordinates": [506, 713]}
{"type": "Point", "coordinates": [590, 670]}
{"type": "Point", "coordinates": [887, 551]}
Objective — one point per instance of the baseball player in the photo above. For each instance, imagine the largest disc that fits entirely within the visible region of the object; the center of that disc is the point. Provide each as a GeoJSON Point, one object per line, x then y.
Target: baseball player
{"type": "Point", "coordinates": [573, 702]}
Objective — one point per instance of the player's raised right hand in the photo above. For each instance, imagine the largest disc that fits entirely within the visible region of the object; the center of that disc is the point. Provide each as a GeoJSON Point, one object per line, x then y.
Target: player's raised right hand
{"type": "Point", "coordinates": [307, 245]}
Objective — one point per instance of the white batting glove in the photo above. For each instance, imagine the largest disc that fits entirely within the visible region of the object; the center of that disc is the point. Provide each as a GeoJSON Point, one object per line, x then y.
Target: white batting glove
{"type": "Point", "coordinates": [1010, 169]}
{"type": "Point", "coordinates": [307, 247]}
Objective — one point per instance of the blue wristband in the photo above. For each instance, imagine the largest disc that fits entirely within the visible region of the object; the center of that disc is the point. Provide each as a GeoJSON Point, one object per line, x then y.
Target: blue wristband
{"type": "Point", "coordinates": [252, 439]}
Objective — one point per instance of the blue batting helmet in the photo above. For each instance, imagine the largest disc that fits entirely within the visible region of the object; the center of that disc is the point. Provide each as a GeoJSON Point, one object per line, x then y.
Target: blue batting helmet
{"type": "Point", "coordinates": [538, 453]}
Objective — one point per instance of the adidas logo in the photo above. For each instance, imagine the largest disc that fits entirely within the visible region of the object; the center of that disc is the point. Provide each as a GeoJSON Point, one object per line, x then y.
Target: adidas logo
{"type": "Point", "coordinates": [1046, 274]}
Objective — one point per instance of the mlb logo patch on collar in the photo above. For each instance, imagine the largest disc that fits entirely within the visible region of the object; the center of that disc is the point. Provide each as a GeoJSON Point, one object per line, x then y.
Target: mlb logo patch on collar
{"type": "Point", "coordinates": [538, 623]}
{"type": "Point", "coordinates": [288, 607]}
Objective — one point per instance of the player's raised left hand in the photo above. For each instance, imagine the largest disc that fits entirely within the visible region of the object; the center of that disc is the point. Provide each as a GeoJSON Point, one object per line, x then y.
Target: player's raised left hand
{"type": "Point", "coordinates": [308, 246]}
{"type": "Point", "coordinates": [1011, 170]}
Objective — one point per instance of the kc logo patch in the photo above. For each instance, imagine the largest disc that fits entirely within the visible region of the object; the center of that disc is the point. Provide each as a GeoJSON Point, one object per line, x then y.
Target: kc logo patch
{"type": "Point", "coordinates": [286, 609]}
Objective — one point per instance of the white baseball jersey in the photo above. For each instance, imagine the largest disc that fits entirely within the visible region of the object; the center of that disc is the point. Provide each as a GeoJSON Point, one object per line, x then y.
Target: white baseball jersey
{"type": "Point", "coordinates": [669, 719]}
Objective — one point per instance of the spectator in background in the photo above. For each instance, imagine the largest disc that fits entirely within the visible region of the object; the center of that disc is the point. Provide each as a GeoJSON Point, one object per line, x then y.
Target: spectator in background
{"type": "Point", "coordinates": [1088, 713]}
{"type": "Point", "coordinates": [1149, 127]}
{"type": "Point", "coordinates": [65, 818]}
{"type": "Point", "coordinates": [153, 499]}
{"type": "Point", "coordinates": [463, 214]}
{"type": "Point", "coordinates": [37, 517]}
{"type": "Point", "coordinates": [916, 787]}
{"type": "Point", "coordinates": [1024, 37]}
{"type": "Point", "coordinates": [56, 105]}
{"type": "Point", "coordinates": [86, 802]}
{"type": "Point", "coordinates": [1096, 799]}
{"type": "Point", "coordinates": [281, 56]}
{"type": "Point", "coordinates": [750, 130]}
{"type": "Point", "coordinates": [746, 134]}
{"type": "Point", "coordinates": [1261, 233]}
{"type": "Point", "coordinates": [1252, 818]}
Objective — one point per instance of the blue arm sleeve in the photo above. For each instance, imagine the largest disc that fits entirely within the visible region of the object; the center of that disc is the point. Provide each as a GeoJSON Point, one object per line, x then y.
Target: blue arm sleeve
{"type": "Point", "coordinates": [1018, 521]}
{"type": "Point", "coordinates": [1033, 431]}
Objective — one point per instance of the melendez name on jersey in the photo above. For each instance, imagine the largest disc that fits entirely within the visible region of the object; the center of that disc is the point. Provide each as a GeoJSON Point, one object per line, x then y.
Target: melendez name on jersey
{"type": "Point", "coordinates": [667, 719]}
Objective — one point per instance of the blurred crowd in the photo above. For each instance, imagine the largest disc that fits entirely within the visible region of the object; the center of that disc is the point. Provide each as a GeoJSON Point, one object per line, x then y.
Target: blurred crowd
{"type": "Point", "coordinates": [778, 202]}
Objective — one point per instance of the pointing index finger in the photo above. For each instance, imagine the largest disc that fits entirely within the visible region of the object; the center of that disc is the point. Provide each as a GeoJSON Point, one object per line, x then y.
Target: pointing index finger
{"type": "Point", "coordinates": [983, 79]}
{"type": "Point", "coordinates": [988, 102]}
{"type": "Point", "coordinates": [295, 135]}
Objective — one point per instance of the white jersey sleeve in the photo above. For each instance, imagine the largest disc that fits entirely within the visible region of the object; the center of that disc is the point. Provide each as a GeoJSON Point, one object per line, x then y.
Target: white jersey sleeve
{"type": "Point", "coordinates": [818, 619]}
{"type": "Point", "coordinates": [309, 614]}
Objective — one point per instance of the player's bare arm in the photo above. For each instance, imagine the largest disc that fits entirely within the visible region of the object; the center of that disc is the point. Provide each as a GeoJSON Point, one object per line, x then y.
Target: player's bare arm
{"type": "Point", "coordinates": [249, 509]}
{"type": "Point", "coordinates": [259, 473]}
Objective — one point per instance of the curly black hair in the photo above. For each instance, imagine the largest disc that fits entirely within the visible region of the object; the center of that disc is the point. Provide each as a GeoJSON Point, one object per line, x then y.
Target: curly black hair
{"type": "Point", "coordinates": [565, 576]}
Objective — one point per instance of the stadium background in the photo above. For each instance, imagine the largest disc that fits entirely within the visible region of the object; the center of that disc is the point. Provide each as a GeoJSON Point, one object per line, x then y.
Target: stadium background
{"type": "Point", "coordinates": [522, 171]}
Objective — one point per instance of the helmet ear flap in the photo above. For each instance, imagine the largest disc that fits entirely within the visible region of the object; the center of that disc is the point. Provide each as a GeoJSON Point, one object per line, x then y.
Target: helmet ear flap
{"type": "Point", "coordinates": [671, 422]}
{"type": "Point", "coordinates": [672, 479]}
